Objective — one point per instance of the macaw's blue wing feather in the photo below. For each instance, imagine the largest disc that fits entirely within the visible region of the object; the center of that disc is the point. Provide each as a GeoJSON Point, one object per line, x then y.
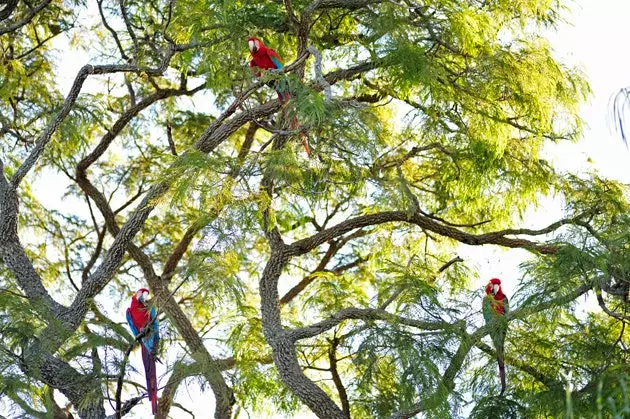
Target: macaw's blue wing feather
{"type": "Point", "coordinates": [133, 328]}
{"type": "Point", "coordinates": [277, 62]}
{"type": "Point", "coordinates": [154, 319]}
{"type": "Point", "coordinates": [152, 339]}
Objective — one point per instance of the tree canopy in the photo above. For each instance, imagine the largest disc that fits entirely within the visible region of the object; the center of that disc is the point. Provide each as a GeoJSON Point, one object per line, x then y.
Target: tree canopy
{"type": "Point", "coordinates": [283, 282]}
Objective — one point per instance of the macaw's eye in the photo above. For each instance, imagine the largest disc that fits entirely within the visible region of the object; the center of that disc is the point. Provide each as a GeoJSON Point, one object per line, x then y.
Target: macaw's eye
{"type": "Point", "coordinates": [252, 46]}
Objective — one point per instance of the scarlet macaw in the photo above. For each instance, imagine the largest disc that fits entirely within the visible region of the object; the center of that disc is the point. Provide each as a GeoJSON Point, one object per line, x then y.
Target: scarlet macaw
{"type": "Point", "coordinates": [268, 59]}
{"type": "Point", "coordinates": [139, 316]}
{"type": "Point", "coordinates": [495, 306]}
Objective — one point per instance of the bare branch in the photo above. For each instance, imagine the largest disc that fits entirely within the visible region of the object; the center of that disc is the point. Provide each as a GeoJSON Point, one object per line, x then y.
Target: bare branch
{"type": "Point", "coordinates": [323, 83]}
{"type": "Point", "coordinates": [132, 34]}
{"type": "Point", "coordinates": [26, 19]}
{"type": "Point", "coordinates": [112, 32]}
{"type": "Point", "coordinates": [362, 314]}
{"type": "Point", "coordinates": [332, 359]}
{"type": "Point", "coordinates": [171, 142]}
{"type": "Point", "coordinates": [306, 245]}
{"type": "Point", "coordinates": [602, 304]}
{"type": "Point", "coordinates": [124, 120]}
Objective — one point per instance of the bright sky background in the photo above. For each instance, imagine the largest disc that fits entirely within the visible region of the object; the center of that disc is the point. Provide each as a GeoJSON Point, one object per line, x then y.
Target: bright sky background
{"type": "Point", "coordinates": [593, 41]}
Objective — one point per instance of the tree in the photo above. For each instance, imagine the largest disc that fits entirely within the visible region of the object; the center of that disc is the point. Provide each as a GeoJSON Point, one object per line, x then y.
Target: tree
{"type": "Point", "coordinates": [332, 282]}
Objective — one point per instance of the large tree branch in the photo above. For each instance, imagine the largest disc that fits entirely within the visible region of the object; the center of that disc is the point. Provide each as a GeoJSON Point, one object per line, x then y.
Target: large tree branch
{"type": "Point", "coordinates": [306, 245]}
{"type": "Point", "coordinates": [83, 391]}
{"type": "Point", "coordinates": [367, 314]}
{"type": "Point", "coordinates": [283, 347]}
{"type": "Point", "coordinates": [12, 253]}
{"type": "Point", "coordinates": [352, 72]}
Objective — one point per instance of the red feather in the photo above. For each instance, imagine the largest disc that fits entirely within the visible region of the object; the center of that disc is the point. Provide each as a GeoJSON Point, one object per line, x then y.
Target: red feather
{"type": "Point", "coordinates": [150, 373]}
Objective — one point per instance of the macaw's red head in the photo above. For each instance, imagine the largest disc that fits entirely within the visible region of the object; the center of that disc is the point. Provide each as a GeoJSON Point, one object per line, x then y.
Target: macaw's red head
{"type": "Point", "coordinates": [255, 44]}
{"type": "Point", "coordinates": [142, 295]}
{"type": "Point", "coordinates": [494, 287]}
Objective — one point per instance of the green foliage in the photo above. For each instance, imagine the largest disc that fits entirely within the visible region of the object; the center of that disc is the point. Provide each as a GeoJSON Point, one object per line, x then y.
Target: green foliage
{"type": "Point", "coordinates": [497, 407]}
{"type": "Point", "coordinates": [396, 366]}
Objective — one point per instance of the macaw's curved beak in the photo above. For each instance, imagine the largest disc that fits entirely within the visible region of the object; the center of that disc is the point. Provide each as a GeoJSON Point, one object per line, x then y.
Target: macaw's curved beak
{"type": "Point", "coordinates": [491, 288]}
{"type": "Point", "coordinates": [253, 47]}
{"type": "Point", "coordinates": [143, 297]}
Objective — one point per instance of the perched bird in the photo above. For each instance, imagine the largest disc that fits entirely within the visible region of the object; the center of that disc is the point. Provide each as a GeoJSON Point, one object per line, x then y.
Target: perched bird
{"type": "Point", "coordinates": [143, 319]}
{"type": "Point", "coordinates": [267, 59]}
{"type": "Point", "coordinates": [495, 306]}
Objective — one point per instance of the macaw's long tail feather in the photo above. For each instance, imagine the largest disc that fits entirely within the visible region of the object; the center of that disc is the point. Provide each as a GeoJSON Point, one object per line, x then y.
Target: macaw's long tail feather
{"type": "Point", "coordinates": [283, 95]}
{"type": "Point", "coordinates": [502, 376]}
{"type": "Point", "coordinates": [151, 377]}
{"type": "Point", "coordinates": [305, 144]}
{"type": "Point", "coordinates": [295, 125]}
{"type": "Point", "coordinates": [501, 361]}
{"type": "Point", "coordinates": [498, 338]}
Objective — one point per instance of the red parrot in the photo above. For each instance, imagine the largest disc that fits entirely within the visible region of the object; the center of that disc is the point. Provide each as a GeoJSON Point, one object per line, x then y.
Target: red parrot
{"type": "Point", "coordinates": [268, 59]}
{"type": "Point", "coordinates": [495, 306]}
{"type": "Point", "coordinates": [139, 316]}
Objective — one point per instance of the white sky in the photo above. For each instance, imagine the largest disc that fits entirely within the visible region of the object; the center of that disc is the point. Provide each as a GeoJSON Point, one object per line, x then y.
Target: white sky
{"type": "Point", "coordinates": [592, 41]}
